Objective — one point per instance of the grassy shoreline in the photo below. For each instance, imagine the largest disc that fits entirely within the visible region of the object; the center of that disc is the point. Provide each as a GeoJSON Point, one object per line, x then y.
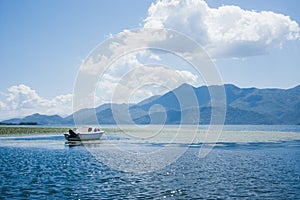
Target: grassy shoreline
{"type": "Point", "coordinates": [22, 130]}
{"type": "Point", "coordinates": [37, 130]}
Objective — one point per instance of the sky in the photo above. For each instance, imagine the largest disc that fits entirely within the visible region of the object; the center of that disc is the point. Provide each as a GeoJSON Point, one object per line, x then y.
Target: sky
{"type": "Point", "coordinates": [43, 44]}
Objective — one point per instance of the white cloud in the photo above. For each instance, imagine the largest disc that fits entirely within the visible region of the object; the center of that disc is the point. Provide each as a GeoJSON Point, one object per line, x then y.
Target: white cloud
{"type": "Point", "coordinates": [21, 100]}
{"type": "Point", "coordinates": [2, 106]}
{"type": "Point", "coordinates": [188, 77]}
{"type": "Point", "coordinates": [109, 63]}
{"type": "Point", "coordinates": [155, 57]}
{"type": "Point", "coordinates": [227, 31]}
{"type": "Point", "coordinates": [143, 82]}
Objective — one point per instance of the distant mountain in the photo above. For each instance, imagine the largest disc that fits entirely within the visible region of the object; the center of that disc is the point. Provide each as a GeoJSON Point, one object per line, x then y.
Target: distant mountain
{"type": "Point", "coordinates": [243, 106]}
{"type": "Point", "coordinates": [39, 119]}
{"type": "Point", "coordinates": [278, 105]}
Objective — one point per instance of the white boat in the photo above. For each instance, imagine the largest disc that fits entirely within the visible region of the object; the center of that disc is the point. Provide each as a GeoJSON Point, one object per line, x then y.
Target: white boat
{"type": "Point", "coordinates": [84, 133]}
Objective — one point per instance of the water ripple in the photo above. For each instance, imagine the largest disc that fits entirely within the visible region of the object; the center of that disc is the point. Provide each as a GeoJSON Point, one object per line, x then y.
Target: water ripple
{"type": "Point", "coordinates": [253, 170]}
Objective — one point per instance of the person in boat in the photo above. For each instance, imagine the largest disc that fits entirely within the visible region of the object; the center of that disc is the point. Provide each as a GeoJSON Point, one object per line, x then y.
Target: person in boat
{"type": "Point", "coordinates": [72, 133]}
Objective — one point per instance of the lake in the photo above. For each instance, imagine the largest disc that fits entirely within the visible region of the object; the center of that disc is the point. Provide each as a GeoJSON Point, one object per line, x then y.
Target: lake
{"type": "Point", "coordinates": [248, 162]}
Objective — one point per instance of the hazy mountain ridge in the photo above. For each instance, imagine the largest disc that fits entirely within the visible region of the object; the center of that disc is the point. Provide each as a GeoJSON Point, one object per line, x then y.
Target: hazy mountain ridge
{"type": "Point", "coordinates": [243, 106]}
{"type": "Point", "coordinates": [40, 119]}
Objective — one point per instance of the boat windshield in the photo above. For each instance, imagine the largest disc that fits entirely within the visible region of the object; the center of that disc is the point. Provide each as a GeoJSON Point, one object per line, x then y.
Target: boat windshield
{"type": "Point", "coordinates": [87, 129]}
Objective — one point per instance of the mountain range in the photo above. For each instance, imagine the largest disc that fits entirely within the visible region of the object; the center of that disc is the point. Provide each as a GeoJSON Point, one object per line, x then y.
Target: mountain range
{"type": "Point", "coordinates": [243, 106]}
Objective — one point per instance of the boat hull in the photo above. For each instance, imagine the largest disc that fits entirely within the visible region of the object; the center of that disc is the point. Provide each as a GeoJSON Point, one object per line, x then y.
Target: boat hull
{"type": "Point", "coordinates": [83, 137]}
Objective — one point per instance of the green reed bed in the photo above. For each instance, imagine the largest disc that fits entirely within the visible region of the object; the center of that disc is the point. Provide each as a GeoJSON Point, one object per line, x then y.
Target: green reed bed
{"type": "Point", "coordinates": [35, 130]}
{"type": "Point", "coordinates": [17, 130]}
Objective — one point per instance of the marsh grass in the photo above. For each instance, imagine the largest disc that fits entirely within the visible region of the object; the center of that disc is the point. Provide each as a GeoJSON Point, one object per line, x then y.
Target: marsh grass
{"type": "Point", "coordinates": [19, 130]}
{"type": "Point", "coordinates": [23, 130]}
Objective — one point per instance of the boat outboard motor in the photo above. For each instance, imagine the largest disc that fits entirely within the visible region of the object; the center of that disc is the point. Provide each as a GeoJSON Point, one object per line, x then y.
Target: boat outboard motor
{"type": "Point", "coordinates": [72, 134]}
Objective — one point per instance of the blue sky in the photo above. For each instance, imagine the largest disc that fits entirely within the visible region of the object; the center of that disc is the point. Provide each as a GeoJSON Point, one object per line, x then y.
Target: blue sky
{"type": "Point", "coordinates": [43, 44]}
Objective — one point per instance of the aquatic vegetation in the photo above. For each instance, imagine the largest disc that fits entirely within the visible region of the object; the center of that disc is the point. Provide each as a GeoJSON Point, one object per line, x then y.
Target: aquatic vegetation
{"type": "Point", "coordinates": [20, 130]}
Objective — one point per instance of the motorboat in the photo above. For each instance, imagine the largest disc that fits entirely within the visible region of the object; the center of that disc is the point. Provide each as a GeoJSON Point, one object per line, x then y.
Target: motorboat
{"type": "Point", "coordinates": [84, 133]}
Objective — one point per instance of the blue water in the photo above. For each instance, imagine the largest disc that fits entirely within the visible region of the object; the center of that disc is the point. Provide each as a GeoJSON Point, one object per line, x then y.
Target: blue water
{"type": "Point", "coordinates": [43, 167]}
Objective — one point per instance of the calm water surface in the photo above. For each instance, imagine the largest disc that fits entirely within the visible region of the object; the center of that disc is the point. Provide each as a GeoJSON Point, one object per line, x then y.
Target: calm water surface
{"type": "Point", "coordinates": [43, 167]}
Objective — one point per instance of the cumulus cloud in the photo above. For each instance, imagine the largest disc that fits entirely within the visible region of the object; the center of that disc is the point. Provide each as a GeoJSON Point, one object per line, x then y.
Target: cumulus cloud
{"type": "Point", "coordinates": [2, 106]}
{"type": "Point", "coordinates": [227, 31]}
{"type": "Point", "coordinates": [145, 81]}
{"type": "Point", "coordinates": [21, 100]}
{"type": "Point", "coordinates": [224, 32]}
{"type": "Point", "coordinates": [130, 81]}
{"type": "Point", "coordinates": [131, 53]}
